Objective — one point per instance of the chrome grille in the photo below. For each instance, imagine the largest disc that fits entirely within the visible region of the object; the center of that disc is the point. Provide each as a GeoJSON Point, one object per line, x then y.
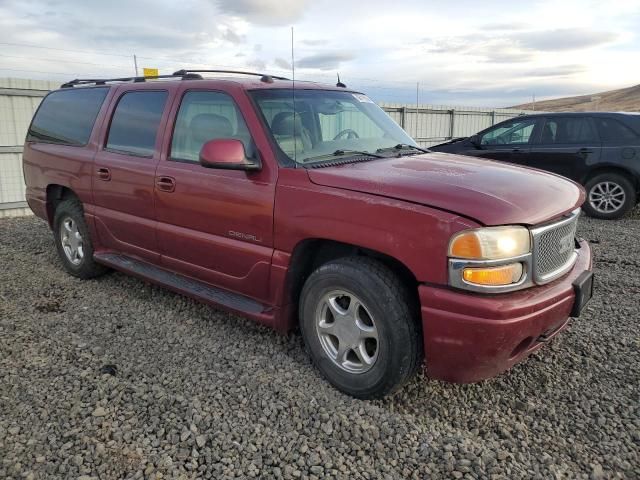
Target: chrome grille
{"type": "Point", "coordinates": [554, 248]}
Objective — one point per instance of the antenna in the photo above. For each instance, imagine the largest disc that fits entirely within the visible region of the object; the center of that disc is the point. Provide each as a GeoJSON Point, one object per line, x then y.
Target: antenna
{"type": "Point", "coordinates": [293, 96]}
{"type": "Point", "coordinates": [340, 84]}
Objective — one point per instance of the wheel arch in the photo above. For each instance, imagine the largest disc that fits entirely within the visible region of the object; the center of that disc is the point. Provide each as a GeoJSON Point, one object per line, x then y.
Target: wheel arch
{"type": "Point", "coordinates": [56, 194]}
{"type": "Point", "coordinates": [311, 253]}
{"type": "Point", "coordinates": [600, 169]}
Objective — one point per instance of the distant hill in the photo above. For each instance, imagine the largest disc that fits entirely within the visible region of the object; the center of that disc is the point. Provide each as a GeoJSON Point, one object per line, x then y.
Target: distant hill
{"type": "Point", "coordinates": [622, 100]}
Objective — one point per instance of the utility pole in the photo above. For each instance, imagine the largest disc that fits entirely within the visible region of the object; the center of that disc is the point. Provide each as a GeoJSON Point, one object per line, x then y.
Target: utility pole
{"type": "Point", "coordinates": [534, 101]}
{"type": "Point", "coordinates": [135, 63]}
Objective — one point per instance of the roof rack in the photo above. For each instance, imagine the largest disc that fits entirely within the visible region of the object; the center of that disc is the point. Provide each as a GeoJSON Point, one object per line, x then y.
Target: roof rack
{"type": "Point", "coordinates": [104, 81]}
{"type": "Point", "coordinates": [264, 77]}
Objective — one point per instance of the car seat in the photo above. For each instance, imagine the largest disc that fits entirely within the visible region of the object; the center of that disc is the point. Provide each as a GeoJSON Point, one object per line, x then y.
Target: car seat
{"type": "Point", "coordinates": [290, 134]}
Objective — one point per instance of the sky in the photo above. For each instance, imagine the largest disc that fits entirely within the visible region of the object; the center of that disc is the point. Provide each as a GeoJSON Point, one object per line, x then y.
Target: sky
{"type": "Point", "coordinates": [478, 53]}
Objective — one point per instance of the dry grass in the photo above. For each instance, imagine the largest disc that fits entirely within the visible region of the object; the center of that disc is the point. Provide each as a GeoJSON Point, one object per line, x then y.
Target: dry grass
{"type": "Point", "coordinates": [622, 100]}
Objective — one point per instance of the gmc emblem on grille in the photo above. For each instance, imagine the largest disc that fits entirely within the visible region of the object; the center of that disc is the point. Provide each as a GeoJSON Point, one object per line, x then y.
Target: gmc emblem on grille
{"type": "Point", "coordinates": [565, 243]}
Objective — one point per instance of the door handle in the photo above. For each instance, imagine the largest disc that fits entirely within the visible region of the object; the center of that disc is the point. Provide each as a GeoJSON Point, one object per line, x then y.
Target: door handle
{"type": "Point", "coordinates": [585, 150]}
{"type": "Point", "coordinates": [516, 150]}
{"type": "Point", "coordinates": [104, 174]}
{"type": "Point", "coordinates": [166, 184]}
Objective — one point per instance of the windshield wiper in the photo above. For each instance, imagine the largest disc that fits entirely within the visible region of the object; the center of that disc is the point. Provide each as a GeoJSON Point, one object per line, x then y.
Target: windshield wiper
{"type": "Point", "coordinates": [343, 152]}
{"type": "Point", "coordinates": [403, 146]}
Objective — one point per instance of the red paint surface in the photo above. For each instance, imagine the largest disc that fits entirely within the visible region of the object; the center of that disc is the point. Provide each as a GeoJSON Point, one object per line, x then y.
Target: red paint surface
{"type": "Point", "coordinates": [471, 337]}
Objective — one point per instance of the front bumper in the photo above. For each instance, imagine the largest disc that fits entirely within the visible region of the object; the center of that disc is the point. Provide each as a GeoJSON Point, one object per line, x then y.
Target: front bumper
{"type": "Point", "coordinates": [469, 337]}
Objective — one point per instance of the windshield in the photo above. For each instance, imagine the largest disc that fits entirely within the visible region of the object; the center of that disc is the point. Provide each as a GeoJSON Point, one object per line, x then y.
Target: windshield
{"type": "Point", "coordinates": [327, 124]}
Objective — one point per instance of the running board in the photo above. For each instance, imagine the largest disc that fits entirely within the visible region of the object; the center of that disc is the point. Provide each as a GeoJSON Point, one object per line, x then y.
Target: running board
{"type": "Point", "coordinates": [187, 286]}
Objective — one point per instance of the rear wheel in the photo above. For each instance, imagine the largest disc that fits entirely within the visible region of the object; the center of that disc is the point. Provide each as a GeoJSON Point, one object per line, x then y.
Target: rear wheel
{"type": "Point", "coordinates": [609, 196]}
{"type": "Point", "coordinates": [73, 241]}
{"type": "Point", "coordinates": [359, 326]}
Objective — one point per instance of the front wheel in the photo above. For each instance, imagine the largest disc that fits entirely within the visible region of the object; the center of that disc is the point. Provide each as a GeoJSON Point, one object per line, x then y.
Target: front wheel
{"type": "Point", "coordinates": [609, 196]}
{"type": "Point", "coordinates": [359, 326]}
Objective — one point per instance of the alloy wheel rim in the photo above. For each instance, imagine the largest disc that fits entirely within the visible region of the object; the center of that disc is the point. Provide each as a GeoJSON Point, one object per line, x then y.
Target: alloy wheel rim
{"type": "Point", "coordinates": [607, 197]}
{"type": "Point", "coordinates": [72, 242]}
{"type": "Point", "coordinates": [347, 331]}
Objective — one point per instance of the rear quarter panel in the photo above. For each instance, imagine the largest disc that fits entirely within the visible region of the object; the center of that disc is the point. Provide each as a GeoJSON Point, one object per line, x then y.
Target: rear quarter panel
{"type": "Point", "coordinates": [50, 164]}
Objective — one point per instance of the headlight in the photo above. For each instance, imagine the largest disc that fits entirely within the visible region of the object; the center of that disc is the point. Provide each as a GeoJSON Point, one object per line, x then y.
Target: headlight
{"type": "Point", "coordinates": [492, 259]}
{"type": "Point", "coordinates": [492, 243]}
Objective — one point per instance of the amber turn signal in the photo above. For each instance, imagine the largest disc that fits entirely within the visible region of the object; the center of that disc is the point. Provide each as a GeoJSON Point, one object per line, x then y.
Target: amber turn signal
{"type": "Point", "coordinates": [496, 276]}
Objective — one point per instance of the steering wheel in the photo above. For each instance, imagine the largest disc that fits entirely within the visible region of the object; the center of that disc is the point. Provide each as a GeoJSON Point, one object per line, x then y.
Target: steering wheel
{"type": "Point", "coordinates": [348, 132]}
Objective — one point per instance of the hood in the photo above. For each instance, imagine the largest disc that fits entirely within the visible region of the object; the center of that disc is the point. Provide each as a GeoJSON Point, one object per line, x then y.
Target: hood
{"type": "Point", "coordinates": [490, 192]}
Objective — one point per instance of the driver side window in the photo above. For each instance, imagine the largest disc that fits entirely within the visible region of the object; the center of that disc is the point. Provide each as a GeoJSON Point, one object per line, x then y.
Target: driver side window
{"type": "Point", "coordinates": [204, 116]}
{"type": "Point", "coordinates": [510, 133]}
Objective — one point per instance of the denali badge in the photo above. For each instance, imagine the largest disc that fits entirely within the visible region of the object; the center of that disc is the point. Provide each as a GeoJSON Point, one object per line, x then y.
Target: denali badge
{"type": "Point", "coordinates": [566, 243]}
{"type": "Point", "coordinates": [244, 236]}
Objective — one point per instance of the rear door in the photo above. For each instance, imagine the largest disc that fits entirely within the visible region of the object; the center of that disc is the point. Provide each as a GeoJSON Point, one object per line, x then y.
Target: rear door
{"type": "Point", "coordinates": [124, 172]}
{"type": "Point", "coordinates": [215, 225]}
{"type": "Point", "coordinates": [566, 146]}
{"type": "Point", "coordinates": [620, 142]}
{"type": "Point", "coordinates": [508, 141]}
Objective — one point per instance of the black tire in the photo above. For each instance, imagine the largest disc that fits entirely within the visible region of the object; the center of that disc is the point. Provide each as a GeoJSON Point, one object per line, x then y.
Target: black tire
{"type": "Point", "coordinates": [86, 267]}
{"type": "Point", "coordinates": [590, 206]}
{"type": "Point", "coordinates": [399, 345]}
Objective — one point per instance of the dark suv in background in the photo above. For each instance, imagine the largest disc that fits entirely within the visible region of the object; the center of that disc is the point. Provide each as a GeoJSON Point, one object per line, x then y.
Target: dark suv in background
{"type": "Point", "coordinates": [599, 150]}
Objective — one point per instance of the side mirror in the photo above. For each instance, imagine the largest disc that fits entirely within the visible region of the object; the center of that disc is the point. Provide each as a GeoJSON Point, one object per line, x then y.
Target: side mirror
{"type": "Point", "coordinates": [227, 154]}
{"type": "Point", "coordinates": [474, 140]}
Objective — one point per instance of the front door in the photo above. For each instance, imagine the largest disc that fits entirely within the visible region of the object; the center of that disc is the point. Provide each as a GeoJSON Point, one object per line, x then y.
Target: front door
{"type": "Point", "coordinates": [124, 172]}
{"type": "Point", "coordinates": [508, 141]}
{"type": "Point", "coordinates": [214, 225]}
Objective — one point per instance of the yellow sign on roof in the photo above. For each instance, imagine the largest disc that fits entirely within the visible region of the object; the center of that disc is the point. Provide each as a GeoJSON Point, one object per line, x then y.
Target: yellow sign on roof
{"type": "Point", "coordinates": [150, 72]}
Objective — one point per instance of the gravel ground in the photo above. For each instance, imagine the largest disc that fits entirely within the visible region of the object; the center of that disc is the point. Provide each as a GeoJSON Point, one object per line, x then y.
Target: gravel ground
{"type": "Point", "coordinates": [114, 378]}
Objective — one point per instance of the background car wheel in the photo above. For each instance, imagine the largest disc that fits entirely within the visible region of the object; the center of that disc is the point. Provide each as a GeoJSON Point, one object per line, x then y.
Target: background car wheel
{"type": "Point", "coordinates": [73, 241]}
{"type": "Point", "coordinates": [359, 324]}
{"type": "Point", "coordinates": [609, 196]}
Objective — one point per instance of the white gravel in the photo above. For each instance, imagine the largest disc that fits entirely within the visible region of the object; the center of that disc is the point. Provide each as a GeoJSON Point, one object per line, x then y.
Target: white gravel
{"type": "Point", "coordinates": [114, 378]}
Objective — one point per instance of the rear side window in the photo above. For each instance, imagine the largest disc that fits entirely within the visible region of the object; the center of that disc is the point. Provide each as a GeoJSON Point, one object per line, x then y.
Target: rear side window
{"type": "Point", "coordinates": [568, 130]}
{"type": "Point", "coordinates": [613, 131]}
{"type": "Point", "coordinates": [67, 116]}
{"type": "Point", "coordinates": [135, 122]}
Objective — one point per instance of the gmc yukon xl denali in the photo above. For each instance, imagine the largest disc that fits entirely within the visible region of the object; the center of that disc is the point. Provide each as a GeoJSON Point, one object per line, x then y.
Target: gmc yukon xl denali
{"type": "Point", "coordinates": [306, 206]}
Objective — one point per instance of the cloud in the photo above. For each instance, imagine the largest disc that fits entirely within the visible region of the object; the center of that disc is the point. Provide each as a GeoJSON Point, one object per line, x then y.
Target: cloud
{"type": "Point", "coordinates": [282, 63]}
{"type": "Point", "coordinates": [232, 37]}
{"type": "Point", "coordinates": [504, 26]}
{"type": "Point", "coordinates": [265, 12]}
{"type": "Point", "coordinates": [559, 71]}
{"type": "Point", "coordinates": [563, 39]}
{"type": "Point", "coordinates": [127, 37]}
{"type": "Point", "coordinates": [325, 61]}
{"type": "Point", "coordinates": [258, 63]}
{"type": "Point", "coordinates": [314, 43]}
{"type": "Point", "coordinates": [504, 54]}
{"type": "Point", "coordinates": [517, 46]}
{"type": "Point", "coordinates": [488, 49]}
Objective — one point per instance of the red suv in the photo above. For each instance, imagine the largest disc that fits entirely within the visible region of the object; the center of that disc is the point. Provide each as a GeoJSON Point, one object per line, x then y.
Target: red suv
{"type": "Point", "coordinates": [306, 206]}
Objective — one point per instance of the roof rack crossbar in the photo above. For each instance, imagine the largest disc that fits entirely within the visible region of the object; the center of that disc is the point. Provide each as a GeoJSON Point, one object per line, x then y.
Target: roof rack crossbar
{"type": "Point", "coordinates": [104, 81]}
{"type": "Point", "coordinates": [265, 77]}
